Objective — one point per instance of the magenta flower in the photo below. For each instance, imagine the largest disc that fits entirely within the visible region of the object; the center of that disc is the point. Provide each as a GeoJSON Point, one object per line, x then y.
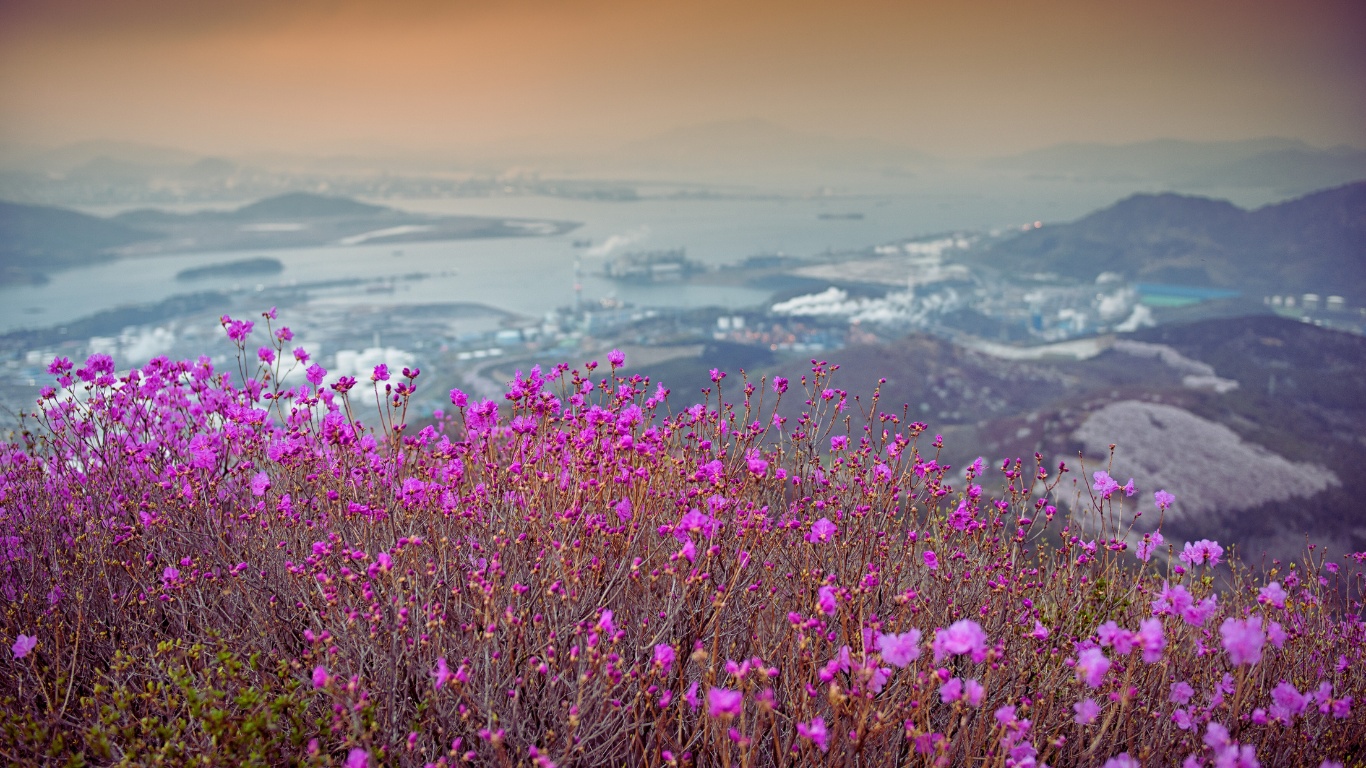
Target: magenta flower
{"type": "Point", "coordinates": [724, 703]}
{"type": "Point", "coordinates": [1172, 600]}
{"type": "Point", "coordinates": [1104, 485]}
{"type": "Point", "coordinates": [442, 673]}
{"type": "Point", "coordinates": [1203, 551]}
{"type": "Point", "coordinates": [1272, 594]}
{"type": "Point", "coordinates": [973, 692]}
{"type": "Point", "coordinates": [1181, 693]}
{"type": "Point", "coordinates": [1276, 634]}
{"type": "Point", "coordinates": [951, 691]}
{"type": "Point", "coordinates": [381, 373]}
{"type": "Point", "coordinates": [1087, 710]}
{"type": "Point", "coordinates": [931, 560]}
{"type": "Point", "coordinates": [1122, 760]}
{"type": "Point", "coordinates": [605, 624]}
{"type": "Point", "coordinates": [24, 645]}
{"type": "Point", "coordinates": [1145, 548]}
{"type": "Point", "coordinates": [1092, 666]}
{"type": "Point", "coordinates": [357, 758]}
{"type": "Point", "coordinates": [459, 399]}
{"type": "Point", "coordinates": [963, 636]}
{"type": "Point", "coordinates": [1243, 640]}
{"type": "Point", "coordinates": [616, 357]}
{"type": "Point", "coordinates": [1040, 631]}
{"type": "Point", "coordinates": [825, 600]}
{"type": "Point", "coordinates": [779, 384]}
{"type": "Point", "coordinates": [815, 731]}
{"type": "Point", "coordinates": [1163, 500]}
{"type": "Point", "coordinates": [315, 374]}
{"type": "Point", "coordinates": [1196, 615]}
{"type": "Point", "coordinates": [664, 656]}
{"type": "Point", "coordinates": [1151, 640]}
{"type": "Point", "coordinates": [821, 531]}
{"type": "Point", "coordinates": [1287, 702]}
{"type": "Point", "coordinates": [320, 676]}
{"type": "Point", "coordinates": [900, 650]}
{"type": "Point", "coordinates": [259, 484]}
{"type": "Point", "coordinates": [691, 696]}
{"type": "Point", "coordinates": [757, 465]}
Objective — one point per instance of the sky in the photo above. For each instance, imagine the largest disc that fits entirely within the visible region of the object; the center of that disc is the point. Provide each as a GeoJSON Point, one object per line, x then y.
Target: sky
{"type": "Point", "coordinates": [962, 78]}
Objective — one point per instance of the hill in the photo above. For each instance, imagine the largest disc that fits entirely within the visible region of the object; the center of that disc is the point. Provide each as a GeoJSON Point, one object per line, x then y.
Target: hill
{"type": "Point", "coordinates": [37, 238]}
{"type": "Point", "coordinates": [1292, 406]}
{"type": "Point", "coordinates": [1315, 243]}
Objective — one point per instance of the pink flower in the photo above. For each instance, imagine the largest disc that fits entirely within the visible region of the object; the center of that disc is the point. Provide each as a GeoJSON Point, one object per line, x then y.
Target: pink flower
{"type": "Point", "coordinates": [757, 465]}
{"type": "Point", "coordinates": [442, 673]}
{"type": "Point", "coordinates": [815, 732]}
{"type": "Point", "coordinates": [1272, 594]}
{"type": "Point", "coordinates": [1276, 634]}
{"type": "Point", "coordinates": [821, 531]}
{"type": "Point", "coordinates": [1087, 710]}
{"type": "Point", "coordinates": [1092, 666]}
{"type": "Point", "coordinates": [357, 758]}
{"type": "Point", "coordinates": [1163, 500]}
{"type": "Point", "coordinates": [931, 560]}
{"type": "Point", "coordinates": [973, 692]}
{"type": "Point", "coordinates": [1040, 631]}
{"type": "Point", "coordinates": [381, 373]}
{"type": "Point", "coordinates": [1243, 640]}
{"type": "Point", "coordinates": [1196, 615]}
{"type": "Point", "coordinates": [616, 357]}
{"type": "Point", "coordinates": [605, 624]}
{"type": "Point", "coordinates": [1122, 760]}
{"type": "Point", "coordinates": [724, 703]}
{"type": "Point", "coordinates": [315, 374]}
{"type": "Point", "coordinates": [963, 636]}
{"type": "Point", "coordinates": [825, 600]}
{"type": "Point", "coordinates": [1288, 703]}
{"type": "Point", "coordinates": [1172, 600]}
{"type": "Point", "coordinates": [24, 645]}
{"type": "Point", "coordinates": [459, 399]}
{"type": "Point", "coordinates": [1151, 541]}
{"type": "Point", "coordinates": [1203, 551]}
{"type": "Point", "coordinates": [1181, 693]}
{"type": "Point", "coordinates": [1150, 639]}
{"type": "Point", "coordinates": [320, 676]}
{"type": "Point", "coordinates": [1104, 485]}
{"type": "Point", "coordinates": [259, 484]}
{"type": "Point", "coordinates": [664, 656]}
{"type": "Point", "coordinates": [691, 696]}
{"type": "Point", "coordinates": [951, 691]}
{"type": "Point", "coordinates": [900, 650]}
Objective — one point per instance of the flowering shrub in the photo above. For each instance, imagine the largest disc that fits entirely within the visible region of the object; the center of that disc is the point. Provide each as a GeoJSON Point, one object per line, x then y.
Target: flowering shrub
{"type": "Point", "coordinates": [197, 563]}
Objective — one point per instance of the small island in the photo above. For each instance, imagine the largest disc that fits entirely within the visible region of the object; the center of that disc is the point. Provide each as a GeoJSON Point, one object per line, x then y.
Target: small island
{"type": "Point", "coordinates": [260, 265]}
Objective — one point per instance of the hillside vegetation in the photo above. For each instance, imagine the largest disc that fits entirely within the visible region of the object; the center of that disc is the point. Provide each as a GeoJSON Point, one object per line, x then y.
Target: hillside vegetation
{"type": "Point", "coordinates": [198, 564]}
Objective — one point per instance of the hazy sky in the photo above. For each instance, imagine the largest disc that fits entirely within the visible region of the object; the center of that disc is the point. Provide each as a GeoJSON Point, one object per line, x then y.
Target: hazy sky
{"type": "Point", "coordinates": [971, 77]}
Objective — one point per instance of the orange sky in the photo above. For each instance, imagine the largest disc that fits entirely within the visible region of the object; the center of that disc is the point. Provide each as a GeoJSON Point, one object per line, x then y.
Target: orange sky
{"type": "Point", "coordinates": [968, 77]}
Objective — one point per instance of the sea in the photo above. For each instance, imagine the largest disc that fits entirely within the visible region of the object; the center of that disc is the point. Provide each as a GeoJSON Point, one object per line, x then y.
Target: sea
{"type": "Point", "coordinates": [533, 275]}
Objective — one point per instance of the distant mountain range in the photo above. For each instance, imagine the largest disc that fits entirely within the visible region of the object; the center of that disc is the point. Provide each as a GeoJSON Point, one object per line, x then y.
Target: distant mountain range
{"type": "Point", "coordinates": [1316, 243]}
{"type": "Point", "coordinates": [1288, 166]}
